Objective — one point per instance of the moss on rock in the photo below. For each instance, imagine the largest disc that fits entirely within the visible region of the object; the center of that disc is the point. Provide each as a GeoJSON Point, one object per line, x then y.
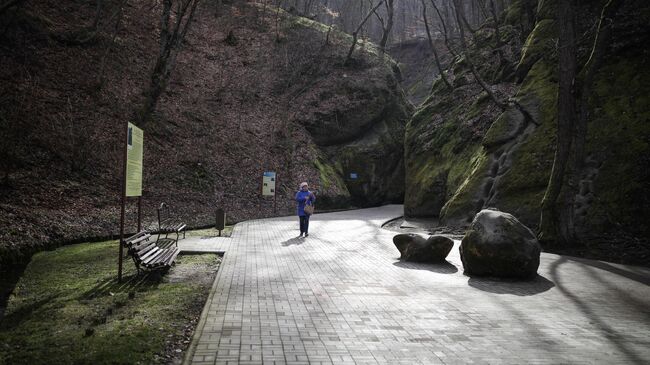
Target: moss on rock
{"type": "Point", "coordinates": [619, 146]}
{"type": "Point", "coordinates": [332, 191]}
{"type": "Point", "coordinates": [539, 44]}
{"type": "Point", "coordinates": [466, 200]}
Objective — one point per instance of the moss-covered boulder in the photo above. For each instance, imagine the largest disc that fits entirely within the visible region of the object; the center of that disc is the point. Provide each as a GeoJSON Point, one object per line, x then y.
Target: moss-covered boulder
{"type": "Point", "coordinates": [497, 244]}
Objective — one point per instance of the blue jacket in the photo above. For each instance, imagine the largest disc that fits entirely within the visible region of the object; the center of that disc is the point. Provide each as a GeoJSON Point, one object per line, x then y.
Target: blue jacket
{"type": "Point", "coordinates": [300, 198]}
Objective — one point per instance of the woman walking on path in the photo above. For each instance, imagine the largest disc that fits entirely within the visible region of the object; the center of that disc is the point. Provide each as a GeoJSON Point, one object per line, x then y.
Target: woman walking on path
{"type": "Point", "coordinates": [304, 197]}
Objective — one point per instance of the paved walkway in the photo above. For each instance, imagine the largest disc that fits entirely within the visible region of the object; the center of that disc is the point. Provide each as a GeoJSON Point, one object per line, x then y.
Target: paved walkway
{"type": "Point", "coordinates": [341, 296]}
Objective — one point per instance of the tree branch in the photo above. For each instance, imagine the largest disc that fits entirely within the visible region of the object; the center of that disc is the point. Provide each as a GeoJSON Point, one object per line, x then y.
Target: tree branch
{"type": "Point", "coordinates": [433, 48]}
{"type": "Point", "coordinates": [356, 32]}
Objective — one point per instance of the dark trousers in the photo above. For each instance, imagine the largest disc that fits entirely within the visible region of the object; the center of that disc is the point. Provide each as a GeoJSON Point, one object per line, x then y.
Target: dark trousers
{"type": "Point", "coordinates": [304, 223]}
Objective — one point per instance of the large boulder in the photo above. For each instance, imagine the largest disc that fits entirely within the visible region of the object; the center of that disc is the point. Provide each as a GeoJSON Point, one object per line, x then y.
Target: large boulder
{"type": "Point", "coordinates": [497, 244]}
{"type": "Point", "coordinates": [418, 248]}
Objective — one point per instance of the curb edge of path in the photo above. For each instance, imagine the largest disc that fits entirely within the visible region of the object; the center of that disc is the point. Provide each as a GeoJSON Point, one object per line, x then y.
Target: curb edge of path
{"type": "Point", "coordinates": [189, 353]}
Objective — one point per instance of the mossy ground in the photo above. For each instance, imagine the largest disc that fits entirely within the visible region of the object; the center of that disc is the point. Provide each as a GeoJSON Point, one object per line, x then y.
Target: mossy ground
{"type": "Point", "coordinates": [68, 308]}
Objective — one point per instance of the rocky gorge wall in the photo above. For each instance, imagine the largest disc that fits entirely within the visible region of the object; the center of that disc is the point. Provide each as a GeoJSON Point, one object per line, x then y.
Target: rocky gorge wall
{"type": "Point", "coordinates": [464, 154]}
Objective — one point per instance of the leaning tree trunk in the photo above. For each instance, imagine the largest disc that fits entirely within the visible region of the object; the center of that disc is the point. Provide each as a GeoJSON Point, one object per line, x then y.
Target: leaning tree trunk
{"type": "Point", "coordinates": [445, 33]}
{"type": "Point", "coordinates": [459, 15]}
{"type": "Point", "coordinates": [584, 86]}
{"type": "Point", "coordinates": [389, 26]}
{"type": "Point", "coordinates": [170, 45]}
{"type": "Point", "coordinates": [355, 34]}
{"type": "Point", "coordinates": [433, 47]}
{"type": "Point", "coordinates": [550, 227]}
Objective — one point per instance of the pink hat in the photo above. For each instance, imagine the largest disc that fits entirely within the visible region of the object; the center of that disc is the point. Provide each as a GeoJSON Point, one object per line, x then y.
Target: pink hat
{"type": "Point", "coordinates": [303, 184]}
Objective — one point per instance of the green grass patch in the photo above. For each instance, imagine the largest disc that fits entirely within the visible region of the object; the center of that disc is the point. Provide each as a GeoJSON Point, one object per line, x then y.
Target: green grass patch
{"type": "Point", "coordinates": [209, 232]}
{"type": "Point", "coordinates": [68, 308]}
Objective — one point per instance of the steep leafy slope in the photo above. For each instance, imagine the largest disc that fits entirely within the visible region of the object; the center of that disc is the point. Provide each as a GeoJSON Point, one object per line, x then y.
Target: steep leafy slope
{"type": "Point", "coordinates": [232, 110]}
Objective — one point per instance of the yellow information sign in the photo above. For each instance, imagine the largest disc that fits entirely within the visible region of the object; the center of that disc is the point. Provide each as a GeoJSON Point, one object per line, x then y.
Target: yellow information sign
{"type": "Point", "coordinates": [134, 150]}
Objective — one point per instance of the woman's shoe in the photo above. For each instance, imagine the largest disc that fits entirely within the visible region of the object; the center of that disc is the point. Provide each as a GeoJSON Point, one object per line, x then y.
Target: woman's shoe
{"type": "Point", "coordinates": [306, 234]}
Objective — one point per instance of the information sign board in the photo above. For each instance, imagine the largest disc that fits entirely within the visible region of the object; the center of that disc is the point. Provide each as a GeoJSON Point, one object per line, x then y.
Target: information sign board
{"type": "Point", "coordinates": [268, 183]}
{"type": "Point", "coordinates": [134, 149]}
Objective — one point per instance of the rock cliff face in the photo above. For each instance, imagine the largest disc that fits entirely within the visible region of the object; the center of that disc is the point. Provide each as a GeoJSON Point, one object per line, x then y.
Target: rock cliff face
{"type": "Point", "coordinates": [274, 97]}
{"type": "Point", "coordinates": [356, 116]}
{"type": "Point", "coordinates": [463, 154]}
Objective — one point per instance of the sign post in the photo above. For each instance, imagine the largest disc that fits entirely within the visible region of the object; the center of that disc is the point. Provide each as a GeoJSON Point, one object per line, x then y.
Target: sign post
{"type": "Point", "coordinates": [220, 222]}
{"type": "Point", "coordinates": [131, 180]}
{"type": "Point", "coordinates": [269, 180]}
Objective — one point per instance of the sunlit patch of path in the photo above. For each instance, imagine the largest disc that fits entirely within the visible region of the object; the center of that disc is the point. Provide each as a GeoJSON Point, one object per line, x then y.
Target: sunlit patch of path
{"type": "Point", "coordinates": [341, 296]}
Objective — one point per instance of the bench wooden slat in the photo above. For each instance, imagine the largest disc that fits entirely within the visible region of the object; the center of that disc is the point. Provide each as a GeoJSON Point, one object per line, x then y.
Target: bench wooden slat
{"type": "Point", "coordinates": [151, 254]}
{"type": "Point", "coordinates": [140, 239]}
{"type": "Point", "coordinates": [154, 259]}
{"type": "Point", "coordinates": [143, 244]}
{"type": "Point", "coordinates": [147, 257]}
{"type": "Point", "coordinates": [169, 257]}
{"type": "Point", "coordinates": [173, 257]}
{"type": "Point", "coordinates": [139, 234]}
{"type": "Point", "coordinates": [162, 260]}
{"type": "Point", "coordinates": [142, 251]}
{"type": "Point", "coordinates": [166, 242]}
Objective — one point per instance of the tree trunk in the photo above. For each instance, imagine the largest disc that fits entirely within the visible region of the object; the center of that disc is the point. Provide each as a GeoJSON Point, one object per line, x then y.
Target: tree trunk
{"type": "Point", "coordinates": [389, 26]}
{"type": "Point", "coordinates": [170, 46]}
{"type": "Point", "coordinates": [355, 34]}
{"type": "Point", "coordinates": [433, 47]}
{"type": "Point", "coordinates": [497, 33]}
{"type": "Point", "coordinates": [603, 36]}
{"type": "Point", "coordinates": [459, 20]}
{"type": "Point", "coordinates": [550, 227]}
{"type": "Point", "coordinates": [116, 30]}
{"type": "Point", "coordinates": [584, 86]}
{"type": "Point", "coordinates": [444, 29]}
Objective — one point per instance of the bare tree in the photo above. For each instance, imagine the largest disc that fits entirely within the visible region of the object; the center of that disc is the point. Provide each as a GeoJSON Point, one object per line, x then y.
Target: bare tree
{"type": "Point", "coordinates": [433, 47]}
{"type": "Point", "coordinates": [278, 6]}
{"type": "Point", "coordinates": [497, 34]}
{"type": "Point", "coordinates": [173, 28]}
{"type": "Point", "coordinates": [549, 227]}
{"type": "Point", "coordinates": [386, 26]}
{"type": "Point", "coordinates": [118, 25]}
{"type": "Point", "coordinates": [355, 34]}
{"type": "Point", "coordinates": [445, 33]}
{"type": "Point", "coordinates": [556, 223]}
{"type": "Point", "coordinates": [459, 19]}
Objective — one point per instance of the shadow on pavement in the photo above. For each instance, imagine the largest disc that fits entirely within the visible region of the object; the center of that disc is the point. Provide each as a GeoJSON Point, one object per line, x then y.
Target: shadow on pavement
{"type": "Point", "coordinates": [614, 335]}
{"type": "Point", "coordinates": [293, 241]}
{"type": "Point", "coordinates": [441, 268]}
{"type": "Point", "coordinates": [509, 286]}
{"type": "Point", "coordinates": [627, 272]}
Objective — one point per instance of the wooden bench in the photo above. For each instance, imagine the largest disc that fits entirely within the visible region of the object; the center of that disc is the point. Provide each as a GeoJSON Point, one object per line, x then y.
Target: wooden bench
{"type": "Point", "coordinates": [168, 224]}
{"type": "Point", "coordinates": [150, 254]}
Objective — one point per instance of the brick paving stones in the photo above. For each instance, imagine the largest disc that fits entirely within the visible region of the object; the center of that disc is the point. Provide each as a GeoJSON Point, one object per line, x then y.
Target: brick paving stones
{"type": "Point", "coordinates": [341, 296]}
